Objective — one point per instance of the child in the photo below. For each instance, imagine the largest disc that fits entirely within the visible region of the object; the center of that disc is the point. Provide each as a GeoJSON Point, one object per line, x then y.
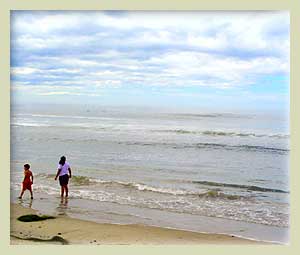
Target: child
{"type": "Point", "coordinates": [27, 182]}
{"type": "Point", "coordinates": [64, 173]}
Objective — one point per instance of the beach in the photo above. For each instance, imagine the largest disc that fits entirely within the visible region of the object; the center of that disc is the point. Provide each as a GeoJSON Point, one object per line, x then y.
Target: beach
{"type": "Point", "coordinates": [66, 230]}
{"type": "Point", "coordinates": [200, 172]}
{"type": "Point", "coordinates": [180, 134]}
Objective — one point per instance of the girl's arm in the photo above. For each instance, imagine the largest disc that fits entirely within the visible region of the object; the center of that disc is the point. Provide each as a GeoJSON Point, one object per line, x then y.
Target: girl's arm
{"type": "Point", "coordinates": [31, 178]}
{"type": "Point", "coordinates": [70, 172]}
{"type": "Point", "coordinates": [58, 171]}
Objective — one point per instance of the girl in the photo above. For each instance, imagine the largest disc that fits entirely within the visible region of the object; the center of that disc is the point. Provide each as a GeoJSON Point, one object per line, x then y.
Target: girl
{"type": "Point", "coordinates": [64, 173]}
{"type": "Point", "coordinates": [27, 182]}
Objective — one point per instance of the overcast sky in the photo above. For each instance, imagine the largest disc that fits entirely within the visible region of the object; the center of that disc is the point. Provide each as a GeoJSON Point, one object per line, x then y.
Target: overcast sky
{"type": "Point", "coordinates": [195, 59]}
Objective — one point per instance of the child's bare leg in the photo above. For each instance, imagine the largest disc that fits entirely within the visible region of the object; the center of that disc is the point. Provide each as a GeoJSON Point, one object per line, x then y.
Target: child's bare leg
{"type": "Point", "coordinates": [31, 194]}
{"type": "Point", "coordinates": [62, 191]}
{"type": "Point", "coordinates": [22, 192]}
{"type": "Point", "coordinates": [67, 190]}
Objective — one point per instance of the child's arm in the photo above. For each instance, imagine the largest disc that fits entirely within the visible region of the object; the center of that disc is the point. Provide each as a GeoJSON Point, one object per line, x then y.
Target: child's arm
{"type": "Point", "coordinates": [70, 172]}
{"type": "Point", "coordinates": [31, 178]}
{"type": "Point", "coordinates": [58, 171]}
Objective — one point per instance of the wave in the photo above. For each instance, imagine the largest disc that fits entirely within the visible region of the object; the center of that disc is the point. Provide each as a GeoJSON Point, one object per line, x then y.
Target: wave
{"type": "Point", "coordinates": [214, 204]}
{"type": "Point", "coordinates": [219, 133]}
{"type": "Point", "coordinates": [213, 146]}
{"type": "Point", "coordinates": [214, 193]}
{"type": "Point", "coordinates": [66, 116]}
{"type": "Point", "coordinates": [24, 124]}
{"type": "Point", "coordinates": [84, 180]}
{"type": "Point", "coordinates": [112, 127]}
{"type": "Point", "coordinates": [247, 187]}
{"type": "Point", "coordinates": [243, 147]}
{"type": "Point", "coordinates": [76, 179]}
{"type": "Point", "coordinates": [213, 115]}
{"type": "Point", "coordinates": [195, 115]}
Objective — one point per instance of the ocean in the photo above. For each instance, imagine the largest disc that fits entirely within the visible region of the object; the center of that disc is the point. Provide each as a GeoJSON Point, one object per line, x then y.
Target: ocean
{"type": "Point", "coordinates": [216, 172]}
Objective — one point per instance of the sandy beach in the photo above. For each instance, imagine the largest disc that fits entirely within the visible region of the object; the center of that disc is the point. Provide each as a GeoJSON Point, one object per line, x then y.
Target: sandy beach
{"type": "Point", "coordinates": [66, 230]}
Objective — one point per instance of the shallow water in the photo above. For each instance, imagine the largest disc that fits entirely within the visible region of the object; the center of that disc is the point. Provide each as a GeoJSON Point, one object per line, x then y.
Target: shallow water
{"type": "Point", "coordinates": [223, 165]}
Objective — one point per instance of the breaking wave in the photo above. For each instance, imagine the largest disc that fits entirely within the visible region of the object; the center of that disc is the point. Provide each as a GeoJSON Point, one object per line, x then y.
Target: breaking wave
{"type": "Point", "coordinates": [85, 181]}
{"type": "Point", "coordinates": [247, 187]}
{"type": "Point", "coordinates": [220, 133]}
{"type": "Point", "coordinates": [213, 146]}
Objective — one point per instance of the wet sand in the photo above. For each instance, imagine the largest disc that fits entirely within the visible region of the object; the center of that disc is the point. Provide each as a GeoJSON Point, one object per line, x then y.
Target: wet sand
{"type": "Point", "coordinates": [65, 230]}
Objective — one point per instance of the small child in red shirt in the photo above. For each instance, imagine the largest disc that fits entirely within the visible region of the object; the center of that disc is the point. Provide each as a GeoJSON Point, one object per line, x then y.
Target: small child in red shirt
{"type": "Point", "coordinates": [28, 181]}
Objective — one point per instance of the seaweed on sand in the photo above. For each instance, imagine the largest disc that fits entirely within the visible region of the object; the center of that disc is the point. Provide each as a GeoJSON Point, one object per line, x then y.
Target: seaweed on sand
{"type": "Point", "coordinates": [34, 217]}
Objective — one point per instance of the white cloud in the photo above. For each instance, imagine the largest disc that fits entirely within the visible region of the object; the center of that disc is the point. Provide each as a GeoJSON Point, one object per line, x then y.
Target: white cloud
{"type": "Point", "coordinates": [96, 50]}
{"type": "Point", "coordinates": [23, 70]}
{"type": "Point", "coordinates": [53, 93]}
{"type": "Point", "coordinates": [40, 23]}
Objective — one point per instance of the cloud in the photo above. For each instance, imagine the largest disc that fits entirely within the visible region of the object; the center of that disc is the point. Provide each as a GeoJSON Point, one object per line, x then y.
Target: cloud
{"type": "Point", "coordinates": [92, 51]}
{"type": "Point", "coordinates": [54, 93]}
{"type": "Point", "coordinates": [23, 70]}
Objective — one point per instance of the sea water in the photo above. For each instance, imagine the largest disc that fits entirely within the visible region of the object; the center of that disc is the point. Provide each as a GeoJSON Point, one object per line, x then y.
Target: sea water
{"type": "Point", "coordinates": [187, 169]}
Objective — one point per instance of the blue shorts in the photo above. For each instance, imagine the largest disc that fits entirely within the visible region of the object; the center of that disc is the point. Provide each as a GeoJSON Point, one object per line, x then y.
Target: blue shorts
{"type": "Point", "coordinates": [64, 180]}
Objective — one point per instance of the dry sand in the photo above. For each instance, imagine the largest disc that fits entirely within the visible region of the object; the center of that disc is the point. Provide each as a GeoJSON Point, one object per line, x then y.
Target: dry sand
{"type": "Point", "coordinates": [65, 230]}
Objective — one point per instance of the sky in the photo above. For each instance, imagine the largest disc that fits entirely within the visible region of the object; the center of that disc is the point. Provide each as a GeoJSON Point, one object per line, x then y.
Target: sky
{"type": "Point", "coordinates": [209, 60]}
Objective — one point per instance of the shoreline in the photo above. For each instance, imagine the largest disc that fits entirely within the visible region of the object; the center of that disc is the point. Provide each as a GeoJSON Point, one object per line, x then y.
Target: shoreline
{"type": "Point", "coordinates": [67, 230]}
